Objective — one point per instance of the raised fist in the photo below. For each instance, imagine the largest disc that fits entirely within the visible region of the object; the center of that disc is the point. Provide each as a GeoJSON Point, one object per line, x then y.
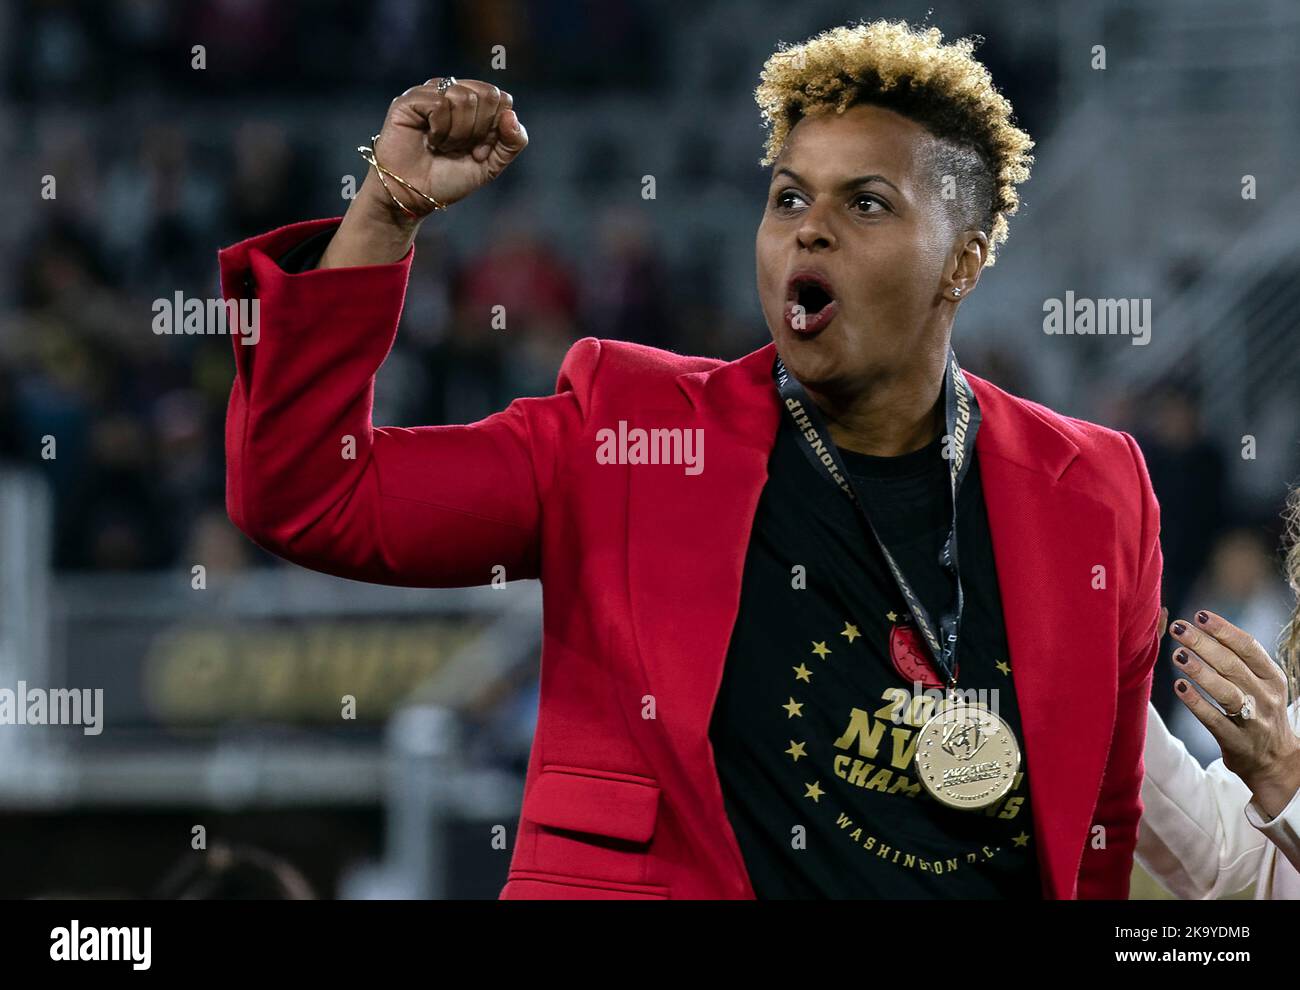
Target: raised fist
{"type": "Point", "coordinates": [447, 144]}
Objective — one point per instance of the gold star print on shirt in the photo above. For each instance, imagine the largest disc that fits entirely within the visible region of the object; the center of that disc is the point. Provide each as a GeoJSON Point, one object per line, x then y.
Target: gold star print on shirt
{"type": "Point", "coordinates": [875, 748]}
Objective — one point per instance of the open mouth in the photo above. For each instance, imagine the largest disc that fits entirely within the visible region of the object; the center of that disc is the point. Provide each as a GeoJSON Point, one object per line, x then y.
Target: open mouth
{"type": "Point", "coordinates": [810, 303]}
{"type": "Point", "coordinates": [812, 296]}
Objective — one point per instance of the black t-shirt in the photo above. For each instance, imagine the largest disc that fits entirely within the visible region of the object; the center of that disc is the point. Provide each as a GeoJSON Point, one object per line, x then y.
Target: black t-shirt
{"type": "Point", "coordinates": [815, 727]}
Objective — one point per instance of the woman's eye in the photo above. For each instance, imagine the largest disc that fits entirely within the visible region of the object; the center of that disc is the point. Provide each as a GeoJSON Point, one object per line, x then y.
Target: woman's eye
{"type": "Point", "coordinates": [785, 200]}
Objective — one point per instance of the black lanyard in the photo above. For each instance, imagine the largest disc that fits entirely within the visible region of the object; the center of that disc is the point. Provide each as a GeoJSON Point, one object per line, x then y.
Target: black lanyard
{"type": "Point", "coordinates": [961, 422]}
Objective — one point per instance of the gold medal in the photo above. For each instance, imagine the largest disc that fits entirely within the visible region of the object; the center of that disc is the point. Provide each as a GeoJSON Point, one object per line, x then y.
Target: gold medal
{"type": "Point", "coordinates": [967, 757]}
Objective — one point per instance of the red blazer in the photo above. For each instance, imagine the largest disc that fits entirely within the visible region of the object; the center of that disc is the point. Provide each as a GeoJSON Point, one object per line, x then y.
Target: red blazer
{"type": "Point", "coordinates": [641, 570]}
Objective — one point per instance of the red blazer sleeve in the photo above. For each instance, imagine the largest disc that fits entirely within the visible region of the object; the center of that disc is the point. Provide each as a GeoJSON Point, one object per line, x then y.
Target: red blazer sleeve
{"type": "Point", "coordinates": [1105, 871]}
{"type": "Point", "coordinates": [309, 478]}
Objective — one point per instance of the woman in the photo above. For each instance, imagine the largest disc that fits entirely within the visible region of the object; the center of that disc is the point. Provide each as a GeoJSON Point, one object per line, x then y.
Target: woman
{"type": "Point", "coordinates": [1209, 832]}
{"type": "Point", "coordinates": [729, 647]}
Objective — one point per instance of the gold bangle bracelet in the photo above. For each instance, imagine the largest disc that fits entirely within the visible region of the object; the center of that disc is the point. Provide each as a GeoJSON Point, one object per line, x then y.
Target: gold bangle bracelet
{"type": "Point", "coordinates": [384, 182]}
{"type": "Point", "coordinates": [368, 153]}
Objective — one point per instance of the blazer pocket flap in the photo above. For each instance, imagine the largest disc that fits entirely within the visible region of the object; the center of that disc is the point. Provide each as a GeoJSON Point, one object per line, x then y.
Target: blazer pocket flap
{"type": "Point", "coordinates": [618, 807]}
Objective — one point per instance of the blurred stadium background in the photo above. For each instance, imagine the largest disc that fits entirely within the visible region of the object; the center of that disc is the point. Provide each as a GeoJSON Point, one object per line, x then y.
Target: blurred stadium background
{"type": "Point", "coordinates": [222, 705]}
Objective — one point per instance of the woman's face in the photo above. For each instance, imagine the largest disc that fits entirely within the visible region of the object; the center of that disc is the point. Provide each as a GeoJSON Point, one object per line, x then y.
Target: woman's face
{"type": "Point", "coordinates": [852, 198]}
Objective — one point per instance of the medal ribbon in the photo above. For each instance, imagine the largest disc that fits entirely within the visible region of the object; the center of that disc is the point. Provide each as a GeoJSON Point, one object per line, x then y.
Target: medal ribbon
{"type": "Point", "coordinates": [961, 421]}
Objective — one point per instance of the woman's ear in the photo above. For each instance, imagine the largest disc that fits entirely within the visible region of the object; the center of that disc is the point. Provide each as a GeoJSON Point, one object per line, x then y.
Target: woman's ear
{"type": "Point", "coordinates": [966, 264]}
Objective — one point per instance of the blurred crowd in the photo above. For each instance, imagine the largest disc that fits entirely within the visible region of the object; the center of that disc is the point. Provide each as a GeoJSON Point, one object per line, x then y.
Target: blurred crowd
{"type": "Point", "coordinates": [141, 205]}
{"type": "Point", "coordinates": [101, 51]}
{"type": "Point", "coordinates": [144, 201]}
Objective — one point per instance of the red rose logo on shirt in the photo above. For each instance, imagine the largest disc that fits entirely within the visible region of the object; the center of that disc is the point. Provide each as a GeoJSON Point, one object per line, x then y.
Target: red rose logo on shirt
{"type": "Point", "coordinates": [910, 657]}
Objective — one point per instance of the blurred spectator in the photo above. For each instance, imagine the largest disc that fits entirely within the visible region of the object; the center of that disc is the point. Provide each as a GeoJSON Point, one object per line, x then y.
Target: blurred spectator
{"type": "Point", "coordinates": [10, 435]}
{"type": "Point", "coordinates": [268, 188]}
{"type": "Point", "coordinates": [1189, 476]}
{"type": "Point", "coordinates": [216, 544]}
{"type": "Point", "coordinates": [233, 873]}
{"type": "Point", "coordinates": [626, 294]}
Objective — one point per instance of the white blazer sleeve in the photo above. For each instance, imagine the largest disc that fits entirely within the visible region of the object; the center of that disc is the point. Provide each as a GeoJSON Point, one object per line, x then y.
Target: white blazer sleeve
{"type": "Point", "coordinates": [1193, 836]}
{"type": "Point", "coordinates": [1284, 830]}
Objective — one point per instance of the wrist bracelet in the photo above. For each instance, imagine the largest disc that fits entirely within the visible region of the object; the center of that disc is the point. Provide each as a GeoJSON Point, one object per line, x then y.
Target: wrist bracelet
{"type": "Point", "coordinates": [368, 153]}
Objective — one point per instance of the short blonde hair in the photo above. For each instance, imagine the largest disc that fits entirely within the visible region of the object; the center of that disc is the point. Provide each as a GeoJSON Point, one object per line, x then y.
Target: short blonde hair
{"type": "Point", "coordinates": [941, 86]}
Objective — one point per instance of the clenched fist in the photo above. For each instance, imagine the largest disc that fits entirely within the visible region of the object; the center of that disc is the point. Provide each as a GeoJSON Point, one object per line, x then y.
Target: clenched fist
{"type": "Point", "coordinates": [446, 144]}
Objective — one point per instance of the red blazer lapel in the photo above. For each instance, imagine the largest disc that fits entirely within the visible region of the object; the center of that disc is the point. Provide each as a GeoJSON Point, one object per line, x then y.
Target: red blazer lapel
{"type": "Point", "coordinates": [686, 554]}
{"type": "Point", "coordinates": [689, 534]}
{"type": "Point", "coordinates": [1047, 540]}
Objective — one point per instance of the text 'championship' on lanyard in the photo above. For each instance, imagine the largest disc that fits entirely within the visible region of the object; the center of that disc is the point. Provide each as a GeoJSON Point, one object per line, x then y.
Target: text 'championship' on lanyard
{"type": "Point", "coordinates": [961, 423]}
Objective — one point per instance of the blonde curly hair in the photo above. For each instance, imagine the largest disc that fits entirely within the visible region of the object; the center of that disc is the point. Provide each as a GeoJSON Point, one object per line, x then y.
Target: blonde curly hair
{"type": "Point", "coordinates": [911, 71]}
